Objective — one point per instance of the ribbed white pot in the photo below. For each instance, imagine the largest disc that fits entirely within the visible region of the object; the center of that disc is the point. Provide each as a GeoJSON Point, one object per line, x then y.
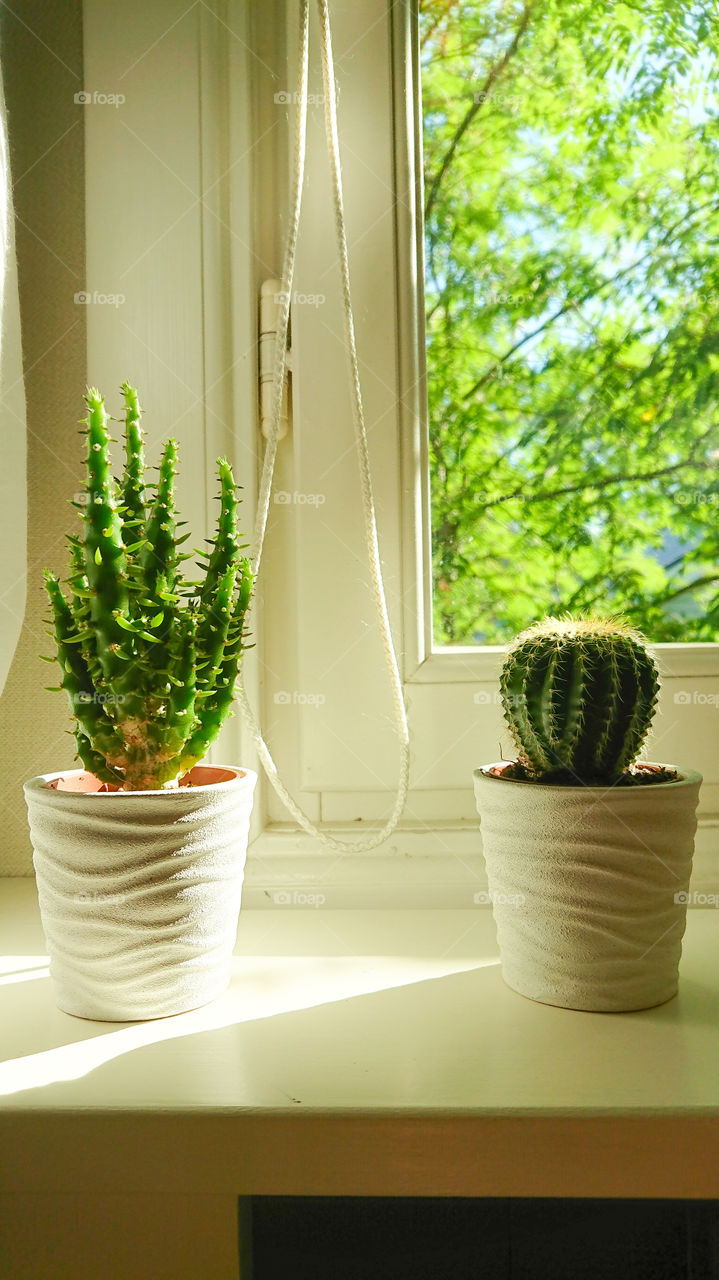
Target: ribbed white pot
{"type": "Point", "coordinates": [588, 887]}
{"type": "Point", "coordinates": [140, 891]}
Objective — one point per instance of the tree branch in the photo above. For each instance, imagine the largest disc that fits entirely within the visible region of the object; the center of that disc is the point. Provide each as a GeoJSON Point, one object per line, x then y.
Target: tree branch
{"type": "Point", "coordinates": [603, 482]}
{"type": "Point", "coordinates": [591, 293]}
{"type": "Point", "coordinates": [691, 586]}
{"type": "Point", "coordinates": [478, 101]}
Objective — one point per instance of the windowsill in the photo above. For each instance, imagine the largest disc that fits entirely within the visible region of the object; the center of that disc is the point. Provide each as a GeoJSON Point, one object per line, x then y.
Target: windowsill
{"type": "Point", "coordinates": [423, 864]}
{"type": "Point", "coordinates": [362, 1052]}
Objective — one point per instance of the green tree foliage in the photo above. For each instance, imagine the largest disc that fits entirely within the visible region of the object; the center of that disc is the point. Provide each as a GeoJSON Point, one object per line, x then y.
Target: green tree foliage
{"type": "Point", "coordinates": [571, 157]}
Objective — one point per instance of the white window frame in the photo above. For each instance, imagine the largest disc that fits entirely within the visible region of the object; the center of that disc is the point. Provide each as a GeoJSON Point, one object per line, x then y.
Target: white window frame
{"type": "Point", "coordinates": [340, 759]}
{"type": "Point", "coordinates": [428, 662]}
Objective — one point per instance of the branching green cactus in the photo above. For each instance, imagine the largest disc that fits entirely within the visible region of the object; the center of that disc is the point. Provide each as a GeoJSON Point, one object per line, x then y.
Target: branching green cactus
{"type": "Point", "coordinates": [579, 696]}
{"type": "Point", "coordinates": [148, 660]}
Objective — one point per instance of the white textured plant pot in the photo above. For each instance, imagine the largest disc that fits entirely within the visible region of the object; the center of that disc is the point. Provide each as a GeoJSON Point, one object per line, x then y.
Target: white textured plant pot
{"type": "Point", "coordinates": [140, 891]}
{"type": "Point", "coordinates": [588, 887]}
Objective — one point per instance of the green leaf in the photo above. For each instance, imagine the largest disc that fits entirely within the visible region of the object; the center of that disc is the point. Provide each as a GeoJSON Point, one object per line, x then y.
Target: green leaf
{"type": "Point", "coordinates": [125, 625]}
{"type": "Point", "coordinates": [78, 636]}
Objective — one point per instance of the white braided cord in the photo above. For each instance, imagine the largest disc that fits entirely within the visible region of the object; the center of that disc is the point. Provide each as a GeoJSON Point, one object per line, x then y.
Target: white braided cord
{"type": "Point", "coordinates": [280, 369]}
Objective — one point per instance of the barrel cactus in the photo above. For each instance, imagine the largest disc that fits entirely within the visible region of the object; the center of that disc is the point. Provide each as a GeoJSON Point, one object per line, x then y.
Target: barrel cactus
{"type": "Point", "coordinates": [579, 695]}
{"type": "Point", "coordinates": [149, 660]}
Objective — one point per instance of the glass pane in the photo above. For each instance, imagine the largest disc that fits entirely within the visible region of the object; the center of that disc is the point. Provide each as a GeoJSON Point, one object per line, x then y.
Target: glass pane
{"type": "Point", "coordinates": [571, 169]}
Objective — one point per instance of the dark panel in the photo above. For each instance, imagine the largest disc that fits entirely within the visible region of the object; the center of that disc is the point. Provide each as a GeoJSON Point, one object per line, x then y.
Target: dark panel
{"type": "Point", "coordinates": [358, 1238]}
{"type": "Point", "coordinates": [598, 1240]}
{"type": "Point", "coordinates": [702, 1240]}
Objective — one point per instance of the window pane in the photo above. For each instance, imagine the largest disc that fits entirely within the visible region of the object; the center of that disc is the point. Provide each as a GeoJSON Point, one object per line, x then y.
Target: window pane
{"type": "Point", "coordinates": [571, 168]}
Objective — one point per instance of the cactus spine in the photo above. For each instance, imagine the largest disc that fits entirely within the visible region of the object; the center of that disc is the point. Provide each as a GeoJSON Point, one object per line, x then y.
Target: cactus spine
{"type": "Point", "coordinates": [579, 696]}
{"type": "Point", "coordinates": [149, 661]}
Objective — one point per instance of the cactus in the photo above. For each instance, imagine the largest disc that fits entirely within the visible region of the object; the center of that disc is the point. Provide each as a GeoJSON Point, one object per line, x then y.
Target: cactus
{"type": "Point", "coordinates": [148, 660]}
{"type": "Point", "coordinates": [579, 695]}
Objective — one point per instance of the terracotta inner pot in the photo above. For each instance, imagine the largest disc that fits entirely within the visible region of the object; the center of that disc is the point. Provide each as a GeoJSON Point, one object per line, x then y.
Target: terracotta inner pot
{"type": "Point", "coordinates": [205, 775]}
{"type": "Point", "coordinates": [502, 771]}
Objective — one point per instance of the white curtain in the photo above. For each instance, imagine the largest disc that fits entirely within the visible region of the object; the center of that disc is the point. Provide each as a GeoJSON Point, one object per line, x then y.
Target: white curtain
{"type": "Point", "coordinates": [13, 446]}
